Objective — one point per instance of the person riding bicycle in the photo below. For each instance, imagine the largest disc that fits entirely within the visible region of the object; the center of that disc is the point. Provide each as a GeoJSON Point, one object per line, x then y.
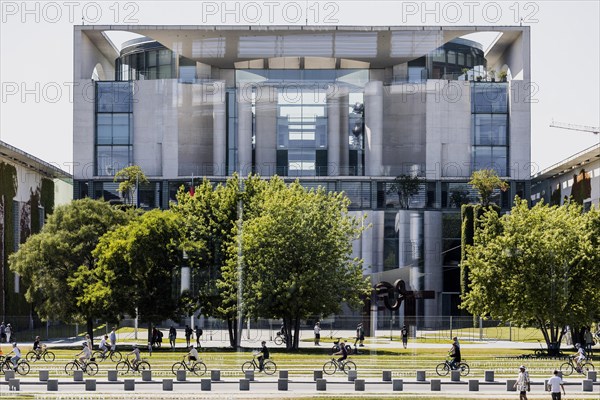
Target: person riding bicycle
{"type": "Point", "coordinates": [264, 355]}
{"type": "Point", "coordinates": [192, 355]}
{"type": "Point", "coordinates": [85, 353]}
{"type": "Point", "coordinates": [343, 352]}
{"type": "Point", "coordinates": [103, 346]}
{"type": "Point", "coordinates": [455, 353]}
{"type": "Point", "coordinates": [580, 356]}
{"type": "Point", "coordinates": [17, 355]}
{"type": "Point", "coordinates": [37, 347]}
{"type": "Point", "coordinates": [135, 351]}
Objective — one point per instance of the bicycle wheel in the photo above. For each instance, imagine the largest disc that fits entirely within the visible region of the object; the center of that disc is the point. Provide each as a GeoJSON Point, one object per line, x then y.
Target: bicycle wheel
{"type": "Point", "coordinates": [248, 366]}
{"type": "Point", "coordinates": [566, 368]}
{"type": "Point", "coordinates": [269, 367]}
{"type": "Point", "coordinates": [122, 367]}
{"type": "Point", "coordinates": [98, 356]}
{"type": "Point", "coordinates": [278, 340]}
{"type": "Point", "coordinates": [349, 366]}
{"type": "Point", "coordinates": [70, 367]}
{"type": "Point", "coordinates": [5, 366]}
{"type": "Point", "coordinates": [91, 368]}
{"type": "Point", "coordinates": [23, 368]}
{"type": "Point", "coordinates": [329, 367]}
{"type": "Point", "coordinates": [588, 366]}
{"type": "Point", "coordinates": [178, 366]}
{"type": "Point", "coordinates": [199, 368]}
{"type": "Point", "coordinates": [49, 356]}
{"type": "Point", "coordinates": [31, 356]}
{"type": "Point", "coordinates": [442, 369]}
{"type": "Point", "coordinates": [143, 366]}
{"type": "Point", "coordinates": [116, 356]}
{"type": "Point", "coordinates": [463, 368]}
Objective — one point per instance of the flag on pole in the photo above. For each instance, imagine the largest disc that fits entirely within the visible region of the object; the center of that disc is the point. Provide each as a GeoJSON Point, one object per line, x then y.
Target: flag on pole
{"type": "Point", "coordinates": [192, 189]}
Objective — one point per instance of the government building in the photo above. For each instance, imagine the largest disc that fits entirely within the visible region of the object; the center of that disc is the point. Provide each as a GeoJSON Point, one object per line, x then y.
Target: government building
{"type": "Point", "coordinates": [345, 107]}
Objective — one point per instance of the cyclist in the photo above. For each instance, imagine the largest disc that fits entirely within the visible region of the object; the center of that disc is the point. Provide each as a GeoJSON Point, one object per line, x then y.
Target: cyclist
{"type": "Point", "coordinates": [343, 352]}
{"type": "Point", "coordinates": [135, 351]}
{"type": "Point", "coordinates": [37, 347]}
{"type": "Point", "coordinates": [85, 353]}
{"type": "Point", "coordinates": [193, 354]}
{"type": "Point", "coordinates": [264, 355]}
{"type": "Point", "coordinates": [102, 346]}
{"type": "Point", "coordinates": [579, 356]}
{"type": "Point", "coordinates": [17, 355]}
{"type": "Point", "coordinates": [455, 353]}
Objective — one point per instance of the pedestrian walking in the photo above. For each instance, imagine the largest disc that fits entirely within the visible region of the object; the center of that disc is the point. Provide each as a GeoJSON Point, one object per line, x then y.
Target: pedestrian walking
{"type": "Point", "coordinates": [523, 385]}
{"type": "Point", "coordinates": [199, 333]}
{"type": "Point", "coordinates": [554, 385]}
{"type": "Point", "coordinates": [360, 335]}
{"type": "Point", "coordinates": [188, 335]}
{"type": "Point", "coordinates": [404, 332]}
{"type": "Point", "coordinates": [172, 337]}
{"type": "Point", "coordinates": [317, 333]}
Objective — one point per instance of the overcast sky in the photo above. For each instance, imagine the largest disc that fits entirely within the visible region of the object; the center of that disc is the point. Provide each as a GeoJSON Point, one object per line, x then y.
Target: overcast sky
{"type": "Point", "coordinates": [36, 61]}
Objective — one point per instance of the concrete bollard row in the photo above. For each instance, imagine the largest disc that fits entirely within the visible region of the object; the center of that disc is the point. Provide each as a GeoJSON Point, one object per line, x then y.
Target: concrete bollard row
{"type": "Point", "coordinates": [206, 385]}
{"type": "Point", "coordinates": [317, 374]}
{"type": "Point", "coordinates": [587, 385]}
{"type": "Point", "coordinates": [436, 385]}
{"type": "Point", "coordinates": [473, 385]}
{"type": "Point", "coordinates": [386, 376]}
{"type": "Point", "coordinates": [146, 375]}
{"type": "Point", "coordinates": [112, 375]}
{"type": "Point", "coordinates": [244, 384]}
{"type": "Point", "coordinates": [167, 384]}
{"type": "Point", "coordinates": [359, 385]}
{"type": "Point", "coordinates": [215, 375]}
{"type": "Point", "coordinates": [249, 375]}
{"type": "Point", "coordinates": [421, 376]}
{"type": "Point", "coordinates": [181, 375]}
{"type": "Point", "coordinates": [352, 375]}
{"type": "Point", "coordinates": [78, 375]}
{"type": "Point", "coordinates": [455, 375]}
{"type": "Point", "coordinates": [489, 376]}
{"type": "Point", "coordinates": [90, 385]}
{"type": "Point", "coordinates": [283, 375]}
{"type": "Point", "coordinates": [44, 375]}
{"type": "Point", "coordinates": [52, 385]}
{"type": "Point", "coordinates": [592, 375]}
{"type": "Point", "coordinates": [129, 384]}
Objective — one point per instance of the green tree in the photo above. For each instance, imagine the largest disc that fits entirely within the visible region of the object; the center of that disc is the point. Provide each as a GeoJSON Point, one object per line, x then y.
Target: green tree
{"type": "Point", "coordinates": [49, 259]}
{"type": "Point", "coordinates": [485, 181]}
{"type": "Point", "coordinates": [210, 218]}
{"type": "Point", "coordinates": [136, 269]}
{"type": "Point", "coordinates": [537, 267]}
{"type": "Point", "coordinates": [406, 186]}
{"type": "Point", "coordinates": [130, 178]}
{"type": "Point", "coordinates": [296, 257]}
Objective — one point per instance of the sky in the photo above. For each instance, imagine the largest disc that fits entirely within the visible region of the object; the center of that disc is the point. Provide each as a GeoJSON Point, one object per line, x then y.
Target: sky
{"type": "Point", "coordinates": [36, 56]}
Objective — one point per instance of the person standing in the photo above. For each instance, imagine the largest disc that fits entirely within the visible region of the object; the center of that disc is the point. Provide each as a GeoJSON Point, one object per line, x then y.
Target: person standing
{"type": "Point", "coordinates": [404, 332]}
{"type": "Point", "coordinates": [172, 337]}
{"type": "Point", "coordinates": [2, 332]}
{"type": "Point", "coordinates": [8, 332]}
{"type": "Point", "coordinates": [360, 332]}
{"type": "Point", "coordinates": [317, 333]}
{"type": "Point", "coordinates": [523, 385]}
{"type": "Point", "coordinates": [554, 385]}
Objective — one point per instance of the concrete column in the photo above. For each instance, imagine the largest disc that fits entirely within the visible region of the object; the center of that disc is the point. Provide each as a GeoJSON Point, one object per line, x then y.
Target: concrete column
{"type": "Point", "coordinates": [266, 131]}
{"type": "Point", "coordinates": [434, 276]}
{"type": "Point", "coordinates": [344, 104]}
{"type": "Point", "coordinates": [219, 130]}
{"type": "Point", "coordinates": [244, 112]}
{"type": "Point", "coordinates": [373, 128]}
{"type": "Point", "coordinates": [333, 135]}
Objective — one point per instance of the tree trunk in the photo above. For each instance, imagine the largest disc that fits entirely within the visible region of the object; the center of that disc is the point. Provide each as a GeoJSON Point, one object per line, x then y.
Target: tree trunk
{"type": "Point", "coordinates": [149, 335]}
{"type": "Point", "coordinates": [232, 328]}
{"type": "Point", "coordinates": [90, 329]}
{"type": "Point", "coordinates": [297, 333]}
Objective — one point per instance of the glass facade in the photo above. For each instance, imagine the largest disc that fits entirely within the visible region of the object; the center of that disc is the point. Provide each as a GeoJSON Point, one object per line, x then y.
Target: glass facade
{"type": "Point", "coordinates": [151, 60]}
{"type": "Point", "coordinates": [114, 117]}
{"type": "Point", "coordinates": [489, 122]}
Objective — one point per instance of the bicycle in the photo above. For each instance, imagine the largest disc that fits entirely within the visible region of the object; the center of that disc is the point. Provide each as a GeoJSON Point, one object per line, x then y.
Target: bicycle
{"type": "Point", "coordinates": [568, 367]}
{"type": "Point", "coordinates": [269, 367]}
{"type": "Point", "coordinates": [197, 367]}
{"type": "Point", "coordinates": [280, 339]}
{"type": "Point", "coordinates": [114, 356]}
{"type": "Point", "coordinates": [22, 366]}
{"type": "Point", "coordinates": [124, 366]}
{"type": "Point", "coordinates": [442, 369]}
{"type": "Point", "coordinates": [330, 367]}
{"type": "Point", "coordinates": [33, 356]}
{"type": "Point", "coordinates": [336, 347]}
{"type": "Point", "coordinates": [90, 367]}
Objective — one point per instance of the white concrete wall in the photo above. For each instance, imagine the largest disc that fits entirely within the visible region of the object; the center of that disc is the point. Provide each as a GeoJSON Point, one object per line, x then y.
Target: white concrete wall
{"type": "Point", "coordinates": [519, 158]}
{"type": "Point", "coordinates": [448, 126]}
{"type": "Point", "coordinates": [83, 131]}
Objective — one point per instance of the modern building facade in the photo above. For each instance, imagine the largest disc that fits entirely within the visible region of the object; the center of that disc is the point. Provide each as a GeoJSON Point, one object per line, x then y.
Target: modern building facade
{"type": "Point", "coordinates": [29, 190]}
{"type": "Point", "coordinates": [347, 108]}
{"type": "Point", "coordinates": [576, 178]}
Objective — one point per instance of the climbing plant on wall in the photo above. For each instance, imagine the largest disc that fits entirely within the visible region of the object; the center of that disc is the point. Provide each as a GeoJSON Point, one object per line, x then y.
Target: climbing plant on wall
{"type": "Point", "coordinates": [8, 191]}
